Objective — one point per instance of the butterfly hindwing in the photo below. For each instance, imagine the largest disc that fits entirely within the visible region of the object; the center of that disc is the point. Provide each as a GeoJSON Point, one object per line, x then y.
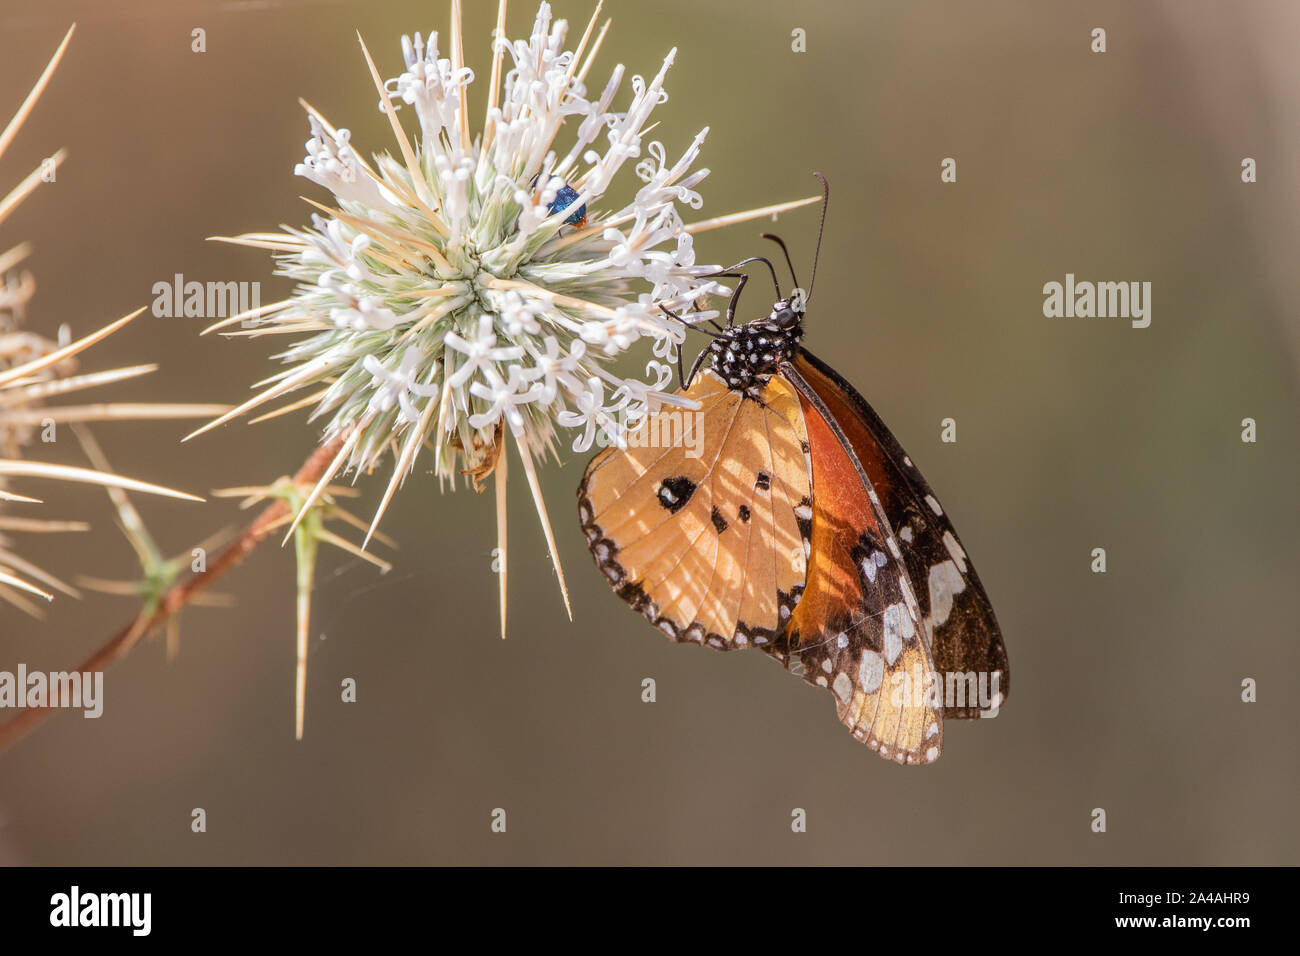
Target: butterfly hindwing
{"type": "Point", "coordinates": [856, 630]}
{"type": "Point", "coordinates": [704, 531]}
{"type": "Point", "coordinates": [956, 614]}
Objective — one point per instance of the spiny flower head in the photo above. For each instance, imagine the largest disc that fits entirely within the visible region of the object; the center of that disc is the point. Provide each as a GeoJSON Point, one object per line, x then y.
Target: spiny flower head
{"type": "Point", "coordinates": [458, 292]}
{"type": "Point", "coordinates": [475, 285]}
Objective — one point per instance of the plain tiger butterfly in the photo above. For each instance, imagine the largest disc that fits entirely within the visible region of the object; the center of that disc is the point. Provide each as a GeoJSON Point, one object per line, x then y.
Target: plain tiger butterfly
{"type": "Point", "coordinates": [796, 524]}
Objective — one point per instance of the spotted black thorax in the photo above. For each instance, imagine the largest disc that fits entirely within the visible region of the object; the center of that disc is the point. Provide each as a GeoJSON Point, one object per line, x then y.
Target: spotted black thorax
{"type": "Point", "coordinates": [746, 356]}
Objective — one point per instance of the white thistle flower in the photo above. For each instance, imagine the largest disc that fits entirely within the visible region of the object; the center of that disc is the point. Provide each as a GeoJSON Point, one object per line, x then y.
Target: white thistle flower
{"type": "Point", "coordinates": [483, 285]}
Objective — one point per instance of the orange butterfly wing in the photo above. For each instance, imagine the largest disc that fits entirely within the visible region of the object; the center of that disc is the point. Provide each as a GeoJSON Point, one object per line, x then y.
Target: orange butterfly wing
{"type": "Point", "coordinates": [704, 531]}
{"type": "Point", "coordinates": [857, 630]}
{"type": "Point", "coordinates": [957, 616]}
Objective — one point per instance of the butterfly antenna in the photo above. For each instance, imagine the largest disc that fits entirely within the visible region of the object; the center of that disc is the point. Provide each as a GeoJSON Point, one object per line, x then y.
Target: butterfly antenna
{"type": "Point", "coordinates": [780, 242]}
{"type": "Point", "coordinates": [826, 201]}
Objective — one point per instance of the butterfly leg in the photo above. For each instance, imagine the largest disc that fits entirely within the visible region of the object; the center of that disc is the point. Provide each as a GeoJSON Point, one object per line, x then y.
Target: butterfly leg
{"type": "Point", "coordinates": [735, 299]}
{"type": "Point", "coordinates": [686, 382]}
{"type": "Point", "coordinates": [735, 296]}
{"type": "Point", "coordinates": [695, 367]}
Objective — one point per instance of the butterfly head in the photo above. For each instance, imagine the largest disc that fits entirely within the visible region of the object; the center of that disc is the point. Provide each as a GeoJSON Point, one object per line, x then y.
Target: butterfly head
{"type": "Point", "coordinates": [746, 356]}
{"type": "Point", "coordinates": [788, 313]}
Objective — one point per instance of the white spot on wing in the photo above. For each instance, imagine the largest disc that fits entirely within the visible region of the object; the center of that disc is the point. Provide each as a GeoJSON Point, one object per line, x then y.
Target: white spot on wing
{"type": "Point", "coordinates": [843, 687]}
{"type": "Point", "coordinates": [872, 562]}
{"type": "Point", "coordinates": [934, 504]}
{"type": "Point", "coordinates": [871, 671]}
{"type": "Point", "coordinates": [945, 582]}
{"type": "Point", "coordinates": [893, 642]}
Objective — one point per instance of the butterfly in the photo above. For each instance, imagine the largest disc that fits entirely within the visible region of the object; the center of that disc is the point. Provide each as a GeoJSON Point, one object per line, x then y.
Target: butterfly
{"type": "Point", "coordinates": [783, 515]}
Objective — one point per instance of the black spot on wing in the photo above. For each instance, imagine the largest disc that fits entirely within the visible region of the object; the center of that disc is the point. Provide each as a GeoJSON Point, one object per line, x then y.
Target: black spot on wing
{"type": "Point", "coordinates": [719, 522]}
{"type": "Point", "coordinates": [763, 481]}
{"type": "Point", "coordinates": [675, 492]}
{"type": "Point", "coordinates": [743, 513]}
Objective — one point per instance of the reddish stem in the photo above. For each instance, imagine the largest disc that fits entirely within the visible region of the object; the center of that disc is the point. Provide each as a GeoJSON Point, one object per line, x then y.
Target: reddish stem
{"type": "Point", "coordinates": [117, 647]}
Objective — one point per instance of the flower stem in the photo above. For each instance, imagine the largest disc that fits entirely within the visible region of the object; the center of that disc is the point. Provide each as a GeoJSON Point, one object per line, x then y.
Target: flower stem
{"type": "Point", "coordinates": [183, 591]}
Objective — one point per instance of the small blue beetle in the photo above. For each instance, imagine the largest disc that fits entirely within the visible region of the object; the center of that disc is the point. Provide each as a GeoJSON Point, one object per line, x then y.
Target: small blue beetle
{"type": "Point", "coordinates": [565, 197]}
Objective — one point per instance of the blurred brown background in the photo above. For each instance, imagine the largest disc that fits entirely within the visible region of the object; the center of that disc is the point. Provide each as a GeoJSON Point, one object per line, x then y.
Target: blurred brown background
{"type": "Point", "coordinates": [1073, 434]}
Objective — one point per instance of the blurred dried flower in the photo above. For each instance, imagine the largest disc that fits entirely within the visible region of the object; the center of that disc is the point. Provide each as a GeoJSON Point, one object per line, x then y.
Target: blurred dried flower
{"type": "Point", "coordinates": [34, 369]}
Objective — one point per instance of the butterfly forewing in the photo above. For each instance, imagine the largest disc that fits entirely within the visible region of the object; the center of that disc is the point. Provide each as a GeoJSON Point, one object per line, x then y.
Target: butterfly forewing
{"type": "Point", "coordinates": [956, 614]}
{"type": "Point", "coordinates": [702, 527]}
{"type": "Point", "coordinates": [856, 630]}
